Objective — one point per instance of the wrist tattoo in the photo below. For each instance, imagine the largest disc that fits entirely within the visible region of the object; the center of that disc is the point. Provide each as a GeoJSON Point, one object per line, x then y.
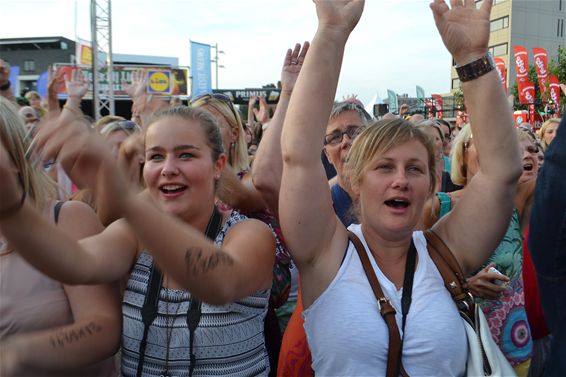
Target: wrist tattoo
{"type": "Point", "coordinates": [199, 264]}
{"type": "Point", "coordinates": [64, 338]}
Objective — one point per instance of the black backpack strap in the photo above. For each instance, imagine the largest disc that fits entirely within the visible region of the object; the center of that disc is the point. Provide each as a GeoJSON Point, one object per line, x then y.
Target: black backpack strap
{"type": "Point", "coordinates": [149, 309]}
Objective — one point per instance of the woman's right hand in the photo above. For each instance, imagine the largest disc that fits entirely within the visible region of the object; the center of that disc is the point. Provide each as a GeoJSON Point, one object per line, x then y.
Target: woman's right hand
{"type": "Point", "coordinates": [84, 156]}
{"type": "Point", "coordinates": [486, 284]}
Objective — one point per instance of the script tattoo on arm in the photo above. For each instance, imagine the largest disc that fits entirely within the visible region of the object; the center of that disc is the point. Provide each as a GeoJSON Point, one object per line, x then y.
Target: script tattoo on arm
{"type": "Point", "coordinates": [198, 264]}
{"type": "Point", "coordinates": [63, 338]}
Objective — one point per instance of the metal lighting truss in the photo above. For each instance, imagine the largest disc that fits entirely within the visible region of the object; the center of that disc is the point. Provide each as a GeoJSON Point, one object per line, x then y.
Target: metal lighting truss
{"type": "Point", "coordinates": [101, 31]}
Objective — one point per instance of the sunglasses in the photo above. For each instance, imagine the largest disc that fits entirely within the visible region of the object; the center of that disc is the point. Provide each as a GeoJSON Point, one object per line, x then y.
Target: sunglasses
{"type": "Point", "coordinates": [126, 125]}
{"type": "Point", "coordinates": [220, 97]}
{"type": "Point", "coordinates": [336, 137]}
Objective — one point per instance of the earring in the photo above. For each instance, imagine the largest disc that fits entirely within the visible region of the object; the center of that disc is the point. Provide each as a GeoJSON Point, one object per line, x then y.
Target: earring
{"type": "Point", "coordinates": [231, 153]}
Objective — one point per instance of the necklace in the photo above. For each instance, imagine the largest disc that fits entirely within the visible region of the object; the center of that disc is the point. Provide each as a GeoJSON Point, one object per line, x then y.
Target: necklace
{"type": "Point", "coordinates": [168, 329]}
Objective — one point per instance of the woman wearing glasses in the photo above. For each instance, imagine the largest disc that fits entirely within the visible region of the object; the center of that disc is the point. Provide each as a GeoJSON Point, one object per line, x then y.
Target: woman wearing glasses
{"type": "Point", "coordinates": [500, 293]}
{"type": "Point", "coordinates": [392, 175]}
{"type": "Point", "coordinates": [47, 328]}
{"type": "Point", "coordinates": [204, 313]}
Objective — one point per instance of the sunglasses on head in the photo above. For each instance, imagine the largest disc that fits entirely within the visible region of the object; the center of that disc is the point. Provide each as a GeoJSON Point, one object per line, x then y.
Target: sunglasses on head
{"type": "Point", "coordinates": [532, 148]}
{"type": "Point", "coordinates": [220, 97]}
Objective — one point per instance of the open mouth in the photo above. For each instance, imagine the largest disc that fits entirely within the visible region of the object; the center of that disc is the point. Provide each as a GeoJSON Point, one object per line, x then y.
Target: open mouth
{"type": "Point", "coordinates": [397, 203]}
{"type": "Point", "coordinates": [172, 189]}
{"type": "Point", "coordinates": [528, 167]}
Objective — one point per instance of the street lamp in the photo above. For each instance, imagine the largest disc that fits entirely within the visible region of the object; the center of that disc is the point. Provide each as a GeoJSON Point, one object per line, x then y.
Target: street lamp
{"type": "Point", "coordinates": [215, 61]}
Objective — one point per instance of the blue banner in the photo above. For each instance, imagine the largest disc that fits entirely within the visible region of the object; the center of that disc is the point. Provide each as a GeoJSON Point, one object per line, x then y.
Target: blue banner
{"type": "Point", "coordinates": [42, 83]}
{"type": "Point", "coordinates": [15, 79]}
{"type": "Point", "coordinates": [200, 69]}
{"type": "Point", "coordinates": [420, 100]}
{"type": "Point", "coordinates": [393, 102]}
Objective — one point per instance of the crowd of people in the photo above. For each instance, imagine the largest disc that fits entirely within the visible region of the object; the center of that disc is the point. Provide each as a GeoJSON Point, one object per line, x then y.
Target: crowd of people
{"type": "Point", "coordinates": [239, 248]}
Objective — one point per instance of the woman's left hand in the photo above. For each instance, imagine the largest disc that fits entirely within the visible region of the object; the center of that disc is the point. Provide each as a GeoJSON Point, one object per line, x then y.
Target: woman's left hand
{"type": "Point", "coordinates": [463, 28]}
{"type": "Point", "coordinates": [486, 284]}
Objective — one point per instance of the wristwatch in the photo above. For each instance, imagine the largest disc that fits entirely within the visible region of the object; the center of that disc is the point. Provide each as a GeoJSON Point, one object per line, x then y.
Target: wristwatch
{"type": "Point", "coordinates": [5, 86]}
{"type": "Point", "coordinates": [475, 69]}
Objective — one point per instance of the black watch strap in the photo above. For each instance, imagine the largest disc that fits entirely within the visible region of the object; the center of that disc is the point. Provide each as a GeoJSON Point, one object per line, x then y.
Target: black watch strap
{"type": "Point", "coordinates": [5, 86]}
{"type": "Point", "coordinates": [475, 69]}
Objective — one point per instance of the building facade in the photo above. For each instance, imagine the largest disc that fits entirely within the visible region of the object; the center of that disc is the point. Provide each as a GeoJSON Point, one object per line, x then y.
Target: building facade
{"type": "Point", "coordinates": [528, 23]}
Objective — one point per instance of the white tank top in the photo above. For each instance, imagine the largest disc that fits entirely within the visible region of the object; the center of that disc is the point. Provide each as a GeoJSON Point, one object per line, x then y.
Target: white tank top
{"type": "Point", "coordinates": [348, 337]}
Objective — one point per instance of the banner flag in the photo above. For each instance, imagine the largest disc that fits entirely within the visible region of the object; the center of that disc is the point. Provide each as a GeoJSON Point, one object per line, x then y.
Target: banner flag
{"type": "Point", "coordinates": [42, 83]}
{"type": "Point", "coordinates": [541, 64]}
{"type": "Point", "coordinates": [522, 64]}
{"type": "Point", "coordinates": [555, 92]}
{"type": "Point", "coordinates": [200, 68]}
{"type": "Point", "coordinates": [527, 93]}
{"type": "Point", "coordinates": [437, 102]}
{"type": "Point", "coordinates": [502, 70]}
{"type": "Point", "coordinates": [83, 53]}
{"type": "Point", "coordinates": [15, 79]}
{"type": "Point", "coordinates": [393, 102]}
{"type": "Point", "coordinates": [420, 100]}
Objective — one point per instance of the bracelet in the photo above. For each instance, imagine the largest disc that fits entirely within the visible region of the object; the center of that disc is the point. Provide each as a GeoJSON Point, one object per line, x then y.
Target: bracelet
{"type": "Point", "coordinates": [74, 110]}
{"type": "Point", "coordinates": [475, 69]}
{"type": "Point", "coordinates": [13, 209]}
{"type": "Point", "coordinates": [5, 86]}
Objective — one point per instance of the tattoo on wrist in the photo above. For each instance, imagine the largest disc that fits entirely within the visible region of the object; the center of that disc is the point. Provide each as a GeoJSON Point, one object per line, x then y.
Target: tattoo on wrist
{"type": "Point", "coordinates": [64, 338]}
{"type": "Point", "coordinates": [199, 264]}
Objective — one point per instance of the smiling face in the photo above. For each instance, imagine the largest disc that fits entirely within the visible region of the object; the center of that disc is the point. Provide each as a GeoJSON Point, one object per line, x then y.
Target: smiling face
{"type": "Point", "coordinates": [393, 189]}
{"type": "Point", "coordinates": [179, 171]}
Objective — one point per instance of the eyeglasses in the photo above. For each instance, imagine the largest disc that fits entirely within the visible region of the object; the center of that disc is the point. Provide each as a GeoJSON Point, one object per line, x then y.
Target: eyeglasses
{"type": "Point", "coordinates": [336, 137]}
{"type": "Point", "coordinates": [219, 96]}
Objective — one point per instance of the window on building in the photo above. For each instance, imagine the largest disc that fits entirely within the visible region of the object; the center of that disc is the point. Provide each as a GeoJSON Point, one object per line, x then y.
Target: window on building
{"type": "Point", "coordinates": [498, 24]}
{"type": "Point", "coordinates": [29, 65]}
{"type": "Point", "coordinates": [500, 49]}
{"type": "Point", "coordinates": [495, 2]}
{"type": "Point", "coordinates": [455, 83]}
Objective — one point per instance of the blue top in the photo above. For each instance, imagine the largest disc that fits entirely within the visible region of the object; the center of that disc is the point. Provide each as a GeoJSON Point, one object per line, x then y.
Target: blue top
{"type": "Point", "coordinates": [342, 205]}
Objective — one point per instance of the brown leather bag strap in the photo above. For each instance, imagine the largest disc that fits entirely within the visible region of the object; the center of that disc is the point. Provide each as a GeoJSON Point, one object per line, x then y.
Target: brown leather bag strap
{"type": "Point", "coordinates": [451, 272]}
{"type": "Point", "coordinates": [387, 311]}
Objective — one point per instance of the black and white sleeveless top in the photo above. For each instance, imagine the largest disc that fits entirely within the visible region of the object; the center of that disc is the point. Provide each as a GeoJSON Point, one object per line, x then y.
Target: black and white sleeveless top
{"type": "Point", "coordinates": [228, 341]}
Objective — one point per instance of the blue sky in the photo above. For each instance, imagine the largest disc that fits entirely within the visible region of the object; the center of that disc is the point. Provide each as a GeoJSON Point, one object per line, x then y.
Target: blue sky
{"type": "Point", "coordinates": [395, 46]}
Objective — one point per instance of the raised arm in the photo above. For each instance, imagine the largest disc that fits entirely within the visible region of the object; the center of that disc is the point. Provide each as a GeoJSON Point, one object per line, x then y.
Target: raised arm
{"type": "Point", "coordinates": [475, 227]}
{"type": "Point", "coordinates": [306, 214]}
{"type": "Point", "coordinates": [268, 164]}
{"type": "Point", "coordinates": [94, 334]}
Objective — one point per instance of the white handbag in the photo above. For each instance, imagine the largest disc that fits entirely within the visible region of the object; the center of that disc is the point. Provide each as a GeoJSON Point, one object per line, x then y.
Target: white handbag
{"type": "Point", "coordinates": [484, 355]}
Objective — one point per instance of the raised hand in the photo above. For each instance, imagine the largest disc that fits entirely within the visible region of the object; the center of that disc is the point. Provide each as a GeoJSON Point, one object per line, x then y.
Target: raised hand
{"type": "Point", "coordinates": [341, 15]}
{"type": "Point", "coordinates": [77, 85]}
{"type": "Point", "coordinates": [463, 28]}
{"type": "Point", "coordinates": [84, 156]}
{"type": "Point", "coordinates": [137, 87]}
{"type": "Point", "coordinates": [292, 66]}
{"type": "Point", "coordinates": [262, 115]}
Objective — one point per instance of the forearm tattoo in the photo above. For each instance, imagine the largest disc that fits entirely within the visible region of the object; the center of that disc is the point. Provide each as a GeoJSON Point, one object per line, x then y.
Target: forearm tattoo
{"type": "Point", "coordinates": [64, 338]}
{"type": "Point", "coordinates": [198, 263]}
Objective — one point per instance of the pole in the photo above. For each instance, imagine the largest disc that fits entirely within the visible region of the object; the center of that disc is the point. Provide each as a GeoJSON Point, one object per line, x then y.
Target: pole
{"type": "Point", "coordinates": [216, 63]}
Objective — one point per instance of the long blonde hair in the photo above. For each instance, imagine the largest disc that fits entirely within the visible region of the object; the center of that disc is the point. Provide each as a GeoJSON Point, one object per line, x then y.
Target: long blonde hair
{"type": "Point", "coordinates": [39, 187]}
